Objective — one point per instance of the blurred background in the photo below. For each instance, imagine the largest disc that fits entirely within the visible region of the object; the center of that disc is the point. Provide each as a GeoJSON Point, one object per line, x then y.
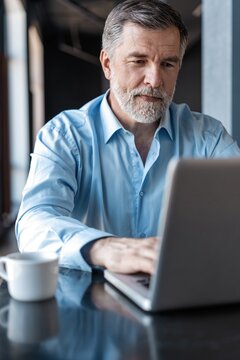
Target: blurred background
{"type": "Point", "coordinates": [49, 53]}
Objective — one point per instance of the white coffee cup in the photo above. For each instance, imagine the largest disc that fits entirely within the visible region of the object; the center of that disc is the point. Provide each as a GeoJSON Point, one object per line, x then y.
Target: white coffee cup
{"type": "Point", "coordinates": [31, 276]}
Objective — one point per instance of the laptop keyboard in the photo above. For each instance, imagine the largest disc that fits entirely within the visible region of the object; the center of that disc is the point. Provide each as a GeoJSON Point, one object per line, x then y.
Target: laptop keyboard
{"type": "Point", "coordinates": [144, 280]}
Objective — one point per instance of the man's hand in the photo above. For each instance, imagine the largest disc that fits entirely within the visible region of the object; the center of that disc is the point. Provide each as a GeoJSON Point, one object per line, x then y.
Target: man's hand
{"type": "Point", "coordinates": [125, 255]}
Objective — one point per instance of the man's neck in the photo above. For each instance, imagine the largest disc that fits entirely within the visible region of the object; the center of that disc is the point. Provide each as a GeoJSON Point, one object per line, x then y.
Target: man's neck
{"type": "Point", "coordinates": [143, 135]}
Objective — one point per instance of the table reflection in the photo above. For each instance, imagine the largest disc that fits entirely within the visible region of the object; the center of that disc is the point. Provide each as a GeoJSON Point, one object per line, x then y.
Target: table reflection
{"type": "Point", "coordinates": [206, 333]}
{"type": "Point", "coordinates": [89, 319]}
{"type": "Point", "coordinates": [91, 322]}
{"type": "Point", "coordinates": [30, 322]}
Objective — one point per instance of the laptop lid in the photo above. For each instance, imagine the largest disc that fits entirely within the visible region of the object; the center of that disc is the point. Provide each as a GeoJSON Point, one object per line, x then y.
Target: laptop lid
{"type": "Point", "coordinates": [199, 251]}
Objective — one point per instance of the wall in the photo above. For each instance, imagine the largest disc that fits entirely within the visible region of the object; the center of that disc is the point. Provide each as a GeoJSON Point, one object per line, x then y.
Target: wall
{"type": "Point", "coordinates": [189, 82]}
{"type": "Point", "coordinates": [69, 81]}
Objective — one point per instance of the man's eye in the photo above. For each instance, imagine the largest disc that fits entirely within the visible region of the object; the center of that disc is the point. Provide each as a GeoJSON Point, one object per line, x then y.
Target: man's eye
{"type": "Point", "coordinates": [167, 65]}
{"type": "Point", "coordinates": [138, 62]}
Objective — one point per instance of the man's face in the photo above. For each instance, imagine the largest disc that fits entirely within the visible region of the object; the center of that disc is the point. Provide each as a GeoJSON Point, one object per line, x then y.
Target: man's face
{"type": "Point", "coordinates": [143, 72]}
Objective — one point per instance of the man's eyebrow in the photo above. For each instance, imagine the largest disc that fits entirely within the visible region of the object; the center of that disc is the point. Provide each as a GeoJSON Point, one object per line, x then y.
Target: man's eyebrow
{"type": "Point", "coordinates": [135, 54]}
{"type": "Point", "coordinates": [171, 59]}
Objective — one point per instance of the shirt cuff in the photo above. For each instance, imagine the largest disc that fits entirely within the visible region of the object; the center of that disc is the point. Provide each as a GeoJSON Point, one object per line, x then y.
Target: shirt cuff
{"type": "Point", "coordinates": [73, 254]}
{"type": "Point", "coordinates": [85, 254]}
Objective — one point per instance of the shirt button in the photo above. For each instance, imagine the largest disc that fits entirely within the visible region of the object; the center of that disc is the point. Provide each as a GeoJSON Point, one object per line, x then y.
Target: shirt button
{"type": "Point", "coordinates": [143, 235]}
{"type": "Point", "coordinates": [141, 193]}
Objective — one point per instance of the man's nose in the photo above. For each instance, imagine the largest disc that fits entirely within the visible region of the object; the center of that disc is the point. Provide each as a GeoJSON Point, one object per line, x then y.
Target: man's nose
{"type": "Point", "coordinates": [153, 76]}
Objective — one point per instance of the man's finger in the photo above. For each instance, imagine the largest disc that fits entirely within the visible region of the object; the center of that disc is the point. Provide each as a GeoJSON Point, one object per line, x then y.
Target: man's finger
{"type": "Point", "coordinates": [130, 264]}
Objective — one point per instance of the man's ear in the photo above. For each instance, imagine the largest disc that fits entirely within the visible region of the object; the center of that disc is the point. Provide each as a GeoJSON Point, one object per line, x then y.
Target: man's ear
{"type": "Point", "coordinates": [105, 61]}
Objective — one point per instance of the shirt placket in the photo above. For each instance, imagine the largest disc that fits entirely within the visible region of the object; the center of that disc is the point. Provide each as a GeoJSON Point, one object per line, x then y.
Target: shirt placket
{"type": "Point", "coordinates": [136, 168]}
{"type": "Point", "coordinates": [139, 173]}
{"type": "Point", "coordinates": [142, 229]}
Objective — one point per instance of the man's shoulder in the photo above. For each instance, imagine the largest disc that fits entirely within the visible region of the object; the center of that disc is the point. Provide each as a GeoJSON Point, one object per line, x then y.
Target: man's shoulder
{"type": "Point", "coordinates": [76, 118]}
{"type": "Point", "coordinates": [183, 115]}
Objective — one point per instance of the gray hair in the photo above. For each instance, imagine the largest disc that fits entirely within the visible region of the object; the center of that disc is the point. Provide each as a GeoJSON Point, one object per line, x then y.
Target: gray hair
{"type": "Point", "coordinates": [150, 14]}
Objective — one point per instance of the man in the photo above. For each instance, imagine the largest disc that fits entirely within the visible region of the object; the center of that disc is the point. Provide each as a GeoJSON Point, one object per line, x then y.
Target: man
{"type": "Point", "coordinates": [94, 191]}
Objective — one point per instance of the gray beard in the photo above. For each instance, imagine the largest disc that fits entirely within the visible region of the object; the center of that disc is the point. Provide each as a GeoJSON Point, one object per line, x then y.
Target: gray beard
{"type": "Point", "coordinates": [138, 109]}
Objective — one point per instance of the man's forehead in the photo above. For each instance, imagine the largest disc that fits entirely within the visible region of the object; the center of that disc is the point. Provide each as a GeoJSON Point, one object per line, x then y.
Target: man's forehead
{"type": "Point", "coordinates": [136, 38]}
{"type": "Point", "coordinates": [169, 35]}
{"type": "Point", "coordinates": [137, 28]}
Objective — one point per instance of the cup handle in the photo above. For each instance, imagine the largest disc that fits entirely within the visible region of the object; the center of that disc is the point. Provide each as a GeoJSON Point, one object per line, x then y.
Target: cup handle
{"type": "Point", "coordinates": [3, 311]}
{"type": "Point", "coordinates": [3, 272]}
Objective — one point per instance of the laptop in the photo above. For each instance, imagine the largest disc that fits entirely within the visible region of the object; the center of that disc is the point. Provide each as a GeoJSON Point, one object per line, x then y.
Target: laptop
{"type": "Point", "coordinates": [199, 251]}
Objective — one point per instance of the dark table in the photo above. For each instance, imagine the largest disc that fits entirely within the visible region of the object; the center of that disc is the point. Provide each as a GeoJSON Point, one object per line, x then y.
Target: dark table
{"type": "Point", "coordinates": [88, 319]}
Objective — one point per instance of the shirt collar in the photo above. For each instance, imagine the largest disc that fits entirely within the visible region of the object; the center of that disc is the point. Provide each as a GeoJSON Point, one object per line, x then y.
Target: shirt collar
{"type": "Point", "coordinates": [111, 124]}
{"type": "Point", "coordinates": [109, 120]}
{"type": "Point", "coordinates": [166, 123]}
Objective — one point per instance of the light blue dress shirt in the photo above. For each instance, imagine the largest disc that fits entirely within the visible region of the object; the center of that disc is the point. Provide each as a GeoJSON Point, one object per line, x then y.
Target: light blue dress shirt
{"type": "Point", "coordinates": [87, 179]}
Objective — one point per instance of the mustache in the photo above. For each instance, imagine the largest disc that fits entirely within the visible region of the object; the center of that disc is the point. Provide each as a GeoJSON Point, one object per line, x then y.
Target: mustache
{"type": "Point", "coordinates": [158, 93]}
